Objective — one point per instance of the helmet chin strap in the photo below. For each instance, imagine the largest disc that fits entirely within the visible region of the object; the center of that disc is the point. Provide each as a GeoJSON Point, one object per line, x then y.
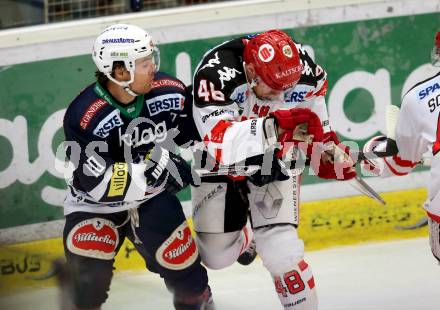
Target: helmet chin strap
{"type": "Point", "coordinates": [253, 82]}
{"type": "Point", "coordinates": [131, 92]}
{"type": "Point", "coordinates": [125, 85]}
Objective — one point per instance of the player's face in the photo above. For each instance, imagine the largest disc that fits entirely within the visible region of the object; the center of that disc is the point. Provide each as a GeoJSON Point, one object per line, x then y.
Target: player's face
{"type": "Point", "coordinates": [263, 91]}
{"type": "Point", "coordinates": [143, 75]}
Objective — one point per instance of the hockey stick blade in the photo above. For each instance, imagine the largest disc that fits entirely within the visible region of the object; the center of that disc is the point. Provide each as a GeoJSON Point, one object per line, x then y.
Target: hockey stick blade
{"type": "Point", "coordinates": [420, 223]}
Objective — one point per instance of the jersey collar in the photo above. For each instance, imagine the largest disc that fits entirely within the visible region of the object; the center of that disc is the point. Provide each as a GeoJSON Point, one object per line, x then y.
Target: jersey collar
{"type": "Point", "coordinates": [132, 110]}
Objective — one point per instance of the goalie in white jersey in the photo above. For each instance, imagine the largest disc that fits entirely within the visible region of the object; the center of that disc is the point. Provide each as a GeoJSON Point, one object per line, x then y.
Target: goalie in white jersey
{"type": "Point", "coordinates": [249, 94]}
{"type": "Point", "coordinates": [417, 133]}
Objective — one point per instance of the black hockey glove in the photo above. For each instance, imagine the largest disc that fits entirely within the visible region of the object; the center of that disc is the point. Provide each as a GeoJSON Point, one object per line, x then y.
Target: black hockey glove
{"type": "Point", "coordinates": [166, 170]}
{"type": "Point", "coordinates": [278, 172]}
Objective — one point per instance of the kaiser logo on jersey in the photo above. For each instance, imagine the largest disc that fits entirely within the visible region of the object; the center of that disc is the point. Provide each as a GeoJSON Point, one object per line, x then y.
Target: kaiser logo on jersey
{"type": "Point", "coordinates": [96, 237]}
{"type": "Point", "coordinates": [111, 121]}
{"type": "Point", "coordinates": [165, 103]}
{"type": "Point", "coordinates": [179, 251]}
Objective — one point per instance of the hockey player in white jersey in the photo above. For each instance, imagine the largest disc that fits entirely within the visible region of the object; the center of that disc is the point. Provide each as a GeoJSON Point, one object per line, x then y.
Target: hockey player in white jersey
{"type": "Point", "coordinates": [249, 94]}
{"type": "Point", "coordinates": [417, 133]}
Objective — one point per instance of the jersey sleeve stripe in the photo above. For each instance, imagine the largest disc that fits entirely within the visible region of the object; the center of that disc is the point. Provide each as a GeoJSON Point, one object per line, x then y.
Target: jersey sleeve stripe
{"type": "Point", "coordinates": [434, 217]}
{"type": "Point", "coordinates": [403, 163]}
{"type": "Point", "coordinates": [394, 170]}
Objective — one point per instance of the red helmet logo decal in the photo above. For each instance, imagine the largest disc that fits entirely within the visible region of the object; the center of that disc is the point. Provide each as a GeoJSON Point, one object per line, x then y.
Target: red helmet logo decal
{"type": "Point", "coordinates": [287, 50]}
{"type": "Point", "coordinates": [266, 52]}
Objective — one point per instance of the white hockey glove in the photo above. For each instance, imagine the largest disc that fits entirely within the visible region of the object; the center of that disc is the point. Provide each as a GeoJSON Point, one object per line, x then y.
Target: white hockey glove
{"type": "Point", "coordinates": [166, 170]}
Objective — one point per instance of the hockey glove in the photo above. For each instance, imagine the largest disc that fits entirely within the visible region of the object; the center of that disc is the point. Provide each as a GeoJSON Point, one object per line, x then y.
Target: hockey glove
{"type": "Point", "coordinates": [298, 125]}
{"type": "Point", "coordinates": [166, 170]}
{"type": "Point", "coordinates": [335, 163]}
{"type": "Point", "coordinates": [301, 121]}
{"type": "Point", "coordinates": [374, 166]}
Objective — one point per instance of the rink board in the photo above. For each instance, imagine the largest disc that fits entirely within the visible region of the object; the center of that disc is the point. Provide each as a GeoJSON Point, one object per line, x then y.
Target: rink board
{"type": "Point", "coordinates": [324, 223]}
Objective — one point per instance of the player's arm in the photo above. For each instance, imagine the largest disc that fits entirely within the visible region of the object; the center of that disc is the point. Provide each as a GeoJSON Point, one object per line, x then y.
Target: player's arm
{"type": "Point", "coordinates": [106, 180]}
{"type": "Point", "coordinates": [97, 174]}
{"type": "Point", "coordinates": [334, 163]}
{"type": "Point", "coordinates": [409, 146]}
{"type": "Point", "coordinates": [217, 119]}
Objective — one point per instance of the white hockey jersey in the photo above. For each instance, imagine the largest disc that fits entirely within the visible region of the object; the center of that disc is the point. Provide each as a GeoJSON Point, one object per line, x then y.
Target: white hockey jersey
{"type": "Point", "coordinates": [418, 133]}
{"type": "Point", "coordinates": [228, 115]}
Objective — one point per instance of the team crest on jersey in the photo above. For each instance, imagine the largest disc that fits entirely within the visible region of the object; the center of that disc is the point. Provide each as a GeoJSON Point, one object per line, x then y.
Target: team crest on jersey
{"type": "Point", "coordinates": [287, 50]}
{"type": "Point", "coordinates": [266, 52]}
{"type": "Point", "coordinates": [179, 251]}
{"type": "Point", "coordinates": [96, 237]}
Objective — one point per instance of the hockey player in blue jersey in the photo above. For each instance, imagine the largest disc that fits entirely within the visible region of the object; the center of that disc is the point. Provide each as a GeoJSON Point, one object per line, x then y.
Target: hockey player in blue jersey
{"type": "Point", "coordinates": [120, 136]}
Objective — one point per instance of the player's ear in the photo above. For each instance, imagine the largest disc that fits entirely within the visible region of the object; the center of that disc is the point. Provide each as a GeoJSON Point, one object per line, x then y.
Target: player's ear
{"type": "Point", "coordinates": [251, 71]}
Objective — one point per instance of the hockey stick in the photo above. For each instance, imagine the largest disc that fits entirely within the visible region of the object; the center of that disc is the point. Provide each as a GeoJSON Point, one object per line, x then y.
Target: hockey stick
{"type": "Point", "coordinates": [357, 182]}
{"type": "Point", "coordinates": [419, 224]}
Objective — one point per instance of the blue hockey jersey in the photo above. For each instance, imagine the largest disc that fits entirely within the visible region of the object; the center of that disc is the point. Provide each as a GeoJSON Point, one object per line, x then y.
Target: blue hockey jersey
{"type": "Point", "coordinates": [107, 142]}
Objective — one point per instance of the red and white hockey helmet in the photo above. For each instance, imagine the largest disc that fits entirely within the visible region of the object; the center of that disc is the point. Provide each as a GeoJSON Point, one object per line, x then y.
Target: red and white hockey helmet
{"type": "Point", "coordinates": [275, 58]}
{"type": "Point", "coordinates": [435, 55]}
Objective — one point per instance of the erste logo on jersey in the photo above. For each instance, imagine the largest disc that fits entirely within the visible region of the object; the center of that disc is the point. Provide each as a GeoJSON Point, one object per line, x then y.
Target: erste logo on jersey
{"type": "Point", "coordinates": [96, 237]}
{"type": "Point", "coordinates": [296, 96]}
{"type": "Point", "coordinates": [166, 102]}
{"type": "Point", "coordinates": [91, 111]}
{"type": "Point", "coordinates": [179, 251]}
{"type": "Point", "coordinates": [266, 52]}
{"type": "Point", "coordinates": [111, 121]}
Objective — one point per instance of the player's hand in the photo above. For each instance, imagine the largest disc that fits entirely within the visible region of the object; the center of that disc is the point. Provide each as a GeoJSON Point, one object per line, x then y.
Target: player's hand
{"type": "Point", "coordinates": [374, 166]}
{"type": "Point", "coordinates": [335, 162]}
{"type": "Point", "coordinates": [299, 124]}
{"type": "Point", "coordinates": [278, 172]}
{"type": "Point", "coordinates": [166, 170]}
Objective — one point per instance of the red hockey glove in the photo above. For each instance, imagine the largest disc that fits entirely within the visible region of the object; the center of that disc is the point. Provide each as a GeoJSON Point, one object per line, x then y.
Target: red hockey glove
{"type": "Point", "coordinates": [299, 125]}
{"type": "Point", "coordinates": [335, 163]}
{"type": "Point", "coordinates": [299, 119]}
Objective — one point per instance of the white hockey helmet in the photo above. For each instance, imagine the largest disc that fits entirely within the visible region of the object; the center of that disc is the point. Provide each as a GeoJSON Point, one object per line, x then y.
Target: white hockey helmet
{"type": "Point", "coordinates": [124, 43]}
